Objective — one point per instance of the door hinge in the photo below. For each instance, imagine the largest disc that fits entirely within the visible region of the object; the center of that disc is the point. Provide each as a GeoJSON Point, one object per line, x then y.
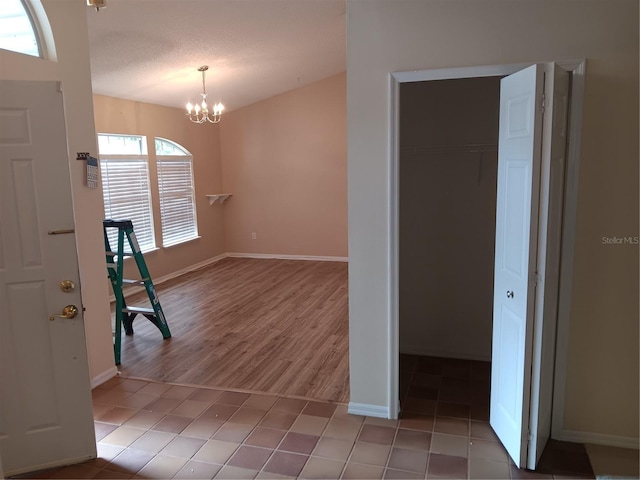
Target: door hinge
{"type": "Point", "coordinates": [535, 279]}
{"type": "Point", "coordinates": [544, 98]}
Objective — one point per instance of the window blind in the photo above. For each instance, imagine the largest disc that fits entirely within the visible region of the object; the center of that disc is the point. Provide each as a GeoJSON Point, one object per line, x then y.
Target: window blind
{"type": "Point", "coordinates": [177, 199]}
{"type": "Point", "coordinates": [125, 184]}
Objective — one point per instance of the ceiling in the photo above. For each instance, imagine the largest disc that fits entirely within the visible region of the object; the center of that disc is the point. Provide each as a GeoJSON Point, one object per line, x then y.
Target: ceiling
{"type": "Point", "coordinates": [150, 51]}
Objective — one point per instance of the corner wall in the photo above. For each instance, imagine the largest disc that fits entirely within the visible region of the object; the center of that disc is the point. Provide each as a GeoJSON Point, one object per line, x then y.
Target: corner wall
{"type": "Point", "coordinates": [385, 37]}
{"type": "Point", "coordinates": [284, 161]}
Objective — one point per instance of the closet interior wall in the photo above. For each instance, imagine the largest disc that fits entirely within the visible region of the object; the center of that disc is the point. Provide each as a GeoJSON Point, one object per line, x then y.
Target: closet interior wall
{"type": "Point", "coordinates": [448, 176]}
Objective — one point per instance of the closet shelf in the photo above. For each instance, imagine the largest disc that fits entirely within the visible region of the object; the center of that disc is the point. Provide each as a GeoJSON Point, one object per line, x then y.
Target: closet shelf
{"type": "Point", "coordinates": [218, 196]}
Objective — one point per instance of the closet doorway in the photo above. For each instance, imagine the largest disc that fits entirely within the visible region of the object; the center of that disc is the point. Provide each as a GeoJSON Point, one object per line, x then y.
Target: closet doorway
{"type": "Point", "coordinates": [536, 199]}
{"type": "Point", "coordinates": [447, 172]}
{"type": "Point", "coordinates": [447, 210]}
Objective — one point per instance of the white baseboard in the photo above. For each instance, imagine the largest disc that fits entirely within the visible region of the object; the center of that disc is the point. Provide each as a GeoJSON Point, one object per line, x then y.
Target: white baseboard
{"type": "Point", "coordinates": [597, 439]}
{"type": "Point", "coordinates": [172, 275]}
{"type": "Point", "coordinates": [103, 377]}
{"type": "Point", "coordinates": [368, 410]}
{"type": "Point", "coordinates": [443, 353]}
{"type": "Point", "coordinates": [288, 257]}
{"type": "Point", "coordinates": [190, 268]}
{"type": "Point", "coordinates": [217, 258]}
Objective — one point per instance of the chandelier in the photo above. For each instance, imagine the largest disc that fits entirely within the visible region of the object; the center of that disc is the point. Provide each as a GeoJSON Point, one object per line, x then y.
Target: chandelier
{"type": "Point", "coordinates": [97, 4]}
{"type": "Point", "coordinates": [199, 113]}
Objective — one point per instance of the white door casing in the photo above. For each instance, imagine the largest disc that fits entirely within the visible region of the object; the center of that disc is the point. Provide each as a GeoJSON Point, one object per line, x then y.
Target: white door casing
{"type": "Point", "coordinates": [45, 413]}
{"type": "Point", "coordinates": [519, 148]}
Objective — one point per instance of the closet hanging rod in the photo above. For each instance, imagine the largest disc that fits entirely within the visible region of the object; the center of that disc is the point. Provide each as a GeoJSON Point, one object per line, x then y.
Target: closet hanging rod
{"type": "Point", "coordinates": [468, 148]}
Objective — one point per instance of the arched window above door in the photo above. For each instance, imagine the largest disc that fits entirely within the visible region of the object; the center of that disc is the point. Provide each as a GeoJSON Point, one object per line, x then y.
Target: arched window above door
{"type": "Point", "coordinates": [17, 28]}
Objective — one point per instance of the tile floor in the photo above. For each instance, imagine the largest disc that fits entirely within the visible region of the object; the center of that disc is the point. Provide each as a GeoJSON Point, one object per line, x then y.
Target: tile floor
{"type": "Point", "coordinates": [155, 430]}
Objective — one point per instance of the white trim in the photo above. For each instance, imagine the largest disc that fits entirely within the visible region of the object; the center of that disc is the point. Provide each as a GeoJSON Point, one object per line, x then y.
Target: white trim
{"type": "Point", "coordinates": [459, 72]}
{"type": "Point", "coordinates": [104, 377]}
{"type": "Point", "coordinates": [393, 263]}
{"type": "Point", "coordinates": [40, 20]}
{"type": "Point", "coordinates": [567, 245]}
{"type": "Point", "coordinates": [577, 68]}
{"type": "Point", "coordinates": [288, 257]}
{"type": "Point", "coordinates": [190, 268]}
{"type": "Point", "coordinates": [172, 275]}
{"type": "Point", "coordinates": [217, 258]}
{"type": "Point", "coordinates": [474, 71]}
{"type": "Point", "coordinates": [367, 410]}
{"type": "Point", "coordinates": [598, 439]}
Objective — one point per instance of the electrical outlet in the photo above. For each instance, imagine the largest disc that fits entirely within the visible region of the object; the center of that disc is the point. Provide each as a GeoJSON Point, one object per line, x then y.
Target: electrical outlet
{"type": "Point", "coordinates": [253, 235]}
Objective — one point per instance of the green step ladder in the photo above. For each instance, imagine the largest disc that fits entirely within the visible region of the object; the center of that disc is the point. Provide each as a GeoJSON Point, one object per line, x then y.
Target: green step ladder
{"type": "Point", "coordinates": [115, 267]}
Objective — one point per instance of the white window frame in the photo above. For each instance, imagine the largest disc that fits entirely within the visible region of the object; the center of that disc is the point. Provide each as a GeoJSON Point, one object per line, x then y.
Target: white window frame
{"type": "Point", "coordinates": [176, 189]}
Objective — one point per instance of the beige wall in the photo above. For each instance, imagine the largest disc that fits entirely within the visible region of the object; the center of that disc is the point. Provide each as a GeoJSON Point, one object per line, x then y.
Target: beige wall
{"type": "Point", "coordinates": [601, 401]}
{"type": "Point", "coordinates": [447, 216]}
{"type": "Point", "coordinates": [69, 28]}
{"type": "Point", "coordinates": [284, 161]}
{"type": "Point", "coordinates": [113, 115]}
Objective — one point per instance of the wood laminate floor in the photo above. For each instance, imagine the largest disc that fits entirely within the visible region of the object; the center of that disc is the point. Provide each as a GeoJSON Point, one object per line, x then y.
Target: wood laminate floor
{"type": "Point", "coordinates": [277, 326]}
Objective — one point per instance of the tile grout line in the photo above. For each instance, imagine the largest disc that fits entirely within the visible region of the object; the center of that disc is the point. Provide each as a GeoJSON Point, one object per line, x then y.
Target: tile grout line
{"type": "Point", "coordinates": [353, 447]}
{"type": "Point", "coordinates": [262, 470]}
{"type": "Point", "coordinates": [395, 435]}
{"type": "Point", "coordinates": [320, 437]}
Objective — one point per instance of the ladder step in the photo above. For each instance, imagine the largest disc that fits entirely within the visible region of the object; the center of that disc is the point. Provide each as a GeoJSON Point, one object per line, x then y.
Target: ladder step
{"type": "Point", "coordinates": [123, 224]}
{"type": "Point", "coordinates": [130, 281]}
{"type": "Point", "coordinates": [115, 265]}
{"type": "Point", "coordinates": [124, 254]}
{"type": "Point", "coordinates": [140, 310]}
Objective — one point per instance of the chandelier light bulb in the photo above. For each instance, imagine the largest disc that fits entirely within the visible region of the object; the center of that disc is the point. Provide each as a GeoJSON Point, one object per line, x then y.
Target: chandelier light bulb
{"type": "Point", "coordinates": [199, 113]}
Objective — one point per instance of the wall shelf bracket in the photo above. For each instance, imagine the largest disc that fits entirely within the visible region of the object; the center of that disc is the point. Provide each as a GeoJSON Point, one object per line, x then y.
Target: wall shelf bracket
{"type": "Point", "coordinates": [219, 196]}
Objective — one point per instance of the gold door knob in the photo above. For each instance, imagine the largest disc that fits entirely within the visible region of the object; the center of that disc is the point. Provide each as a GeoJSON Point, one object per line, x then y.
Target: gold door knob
{"type": "Point", "coordinates": [67, 286]}
{"type": "Point", "coordinates": [70, 311]}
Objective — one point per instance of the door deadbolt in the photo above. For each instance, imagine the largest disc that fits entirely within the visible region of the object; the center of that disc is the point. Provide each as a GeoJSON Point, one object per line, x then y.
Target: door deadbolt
{"type": "Point", "coordinates": [67, 286]}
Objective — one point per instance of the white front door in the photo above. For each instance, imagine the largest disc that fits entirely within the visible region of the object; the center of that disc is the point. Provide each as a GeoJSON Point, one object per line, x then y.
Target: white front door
{"type": "Point", "coordinates": [527, 216]}
{"type": "Point", "coordinates": [45, 411]}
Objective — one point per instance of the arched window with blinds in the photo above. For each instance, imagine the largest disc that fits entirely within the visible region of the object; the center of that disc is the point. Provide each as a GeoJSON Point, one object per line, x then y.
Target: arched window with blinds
{"type": "Point", "coordinates": [126, 185]}
{"type": "Point", "coordinates": [177, 193]}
